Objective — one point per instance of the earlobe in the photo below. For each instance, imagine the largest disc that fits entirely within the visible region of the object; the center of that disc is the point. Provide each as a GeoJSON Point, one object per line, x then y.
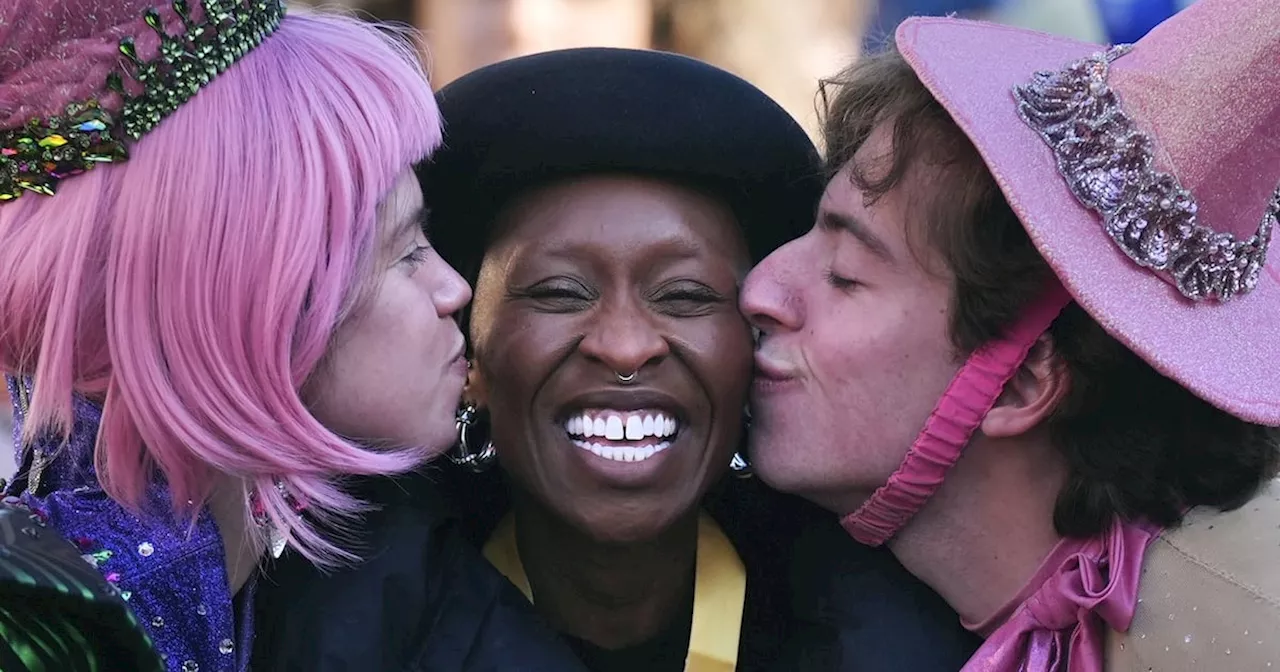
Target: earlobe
{"type": "Point", "coordinates": [476, 391]}
{"type": "Point", "coordinates": [1032, 395]}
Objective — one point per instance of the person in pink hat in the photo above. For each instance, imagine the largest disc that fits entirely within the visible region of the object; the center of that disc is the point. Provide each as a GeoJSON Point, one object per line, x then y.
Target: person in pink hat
{"type": "Point", "coordinates": [1052, 256]}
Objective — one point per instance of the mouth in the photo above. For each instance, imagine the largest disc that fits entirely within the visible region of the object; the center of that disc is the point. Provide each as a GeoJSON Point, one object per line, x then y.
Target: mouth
{"type": "Point", "coordinates": [769, 370]}
{"type": "Point", "coordinates": [459, 355]}
{"type": "Point", "coordinates": [630, 435]}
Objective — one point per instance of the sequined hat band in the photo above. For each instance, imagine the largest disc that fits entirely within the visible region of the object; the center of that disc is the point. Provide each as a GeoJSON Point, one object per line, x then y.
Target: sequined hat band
{"type": "Point", "coordinates": [44, 151]}
{"type": "Point", "coordinates": [1109, 164]}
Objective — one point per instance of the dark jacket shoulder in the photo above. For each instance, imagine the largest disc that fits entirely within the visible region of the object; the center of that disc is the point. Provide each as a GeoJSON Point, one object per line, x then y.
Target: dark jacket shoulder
{"type": "Point", "coordinates": [857, 609]}
{"type": "Point", "coordinates": [816, 601]}
{"type": "Point", "coordinates": [820, 602]}
{"type": "Point", "coordinates": [423, 599]}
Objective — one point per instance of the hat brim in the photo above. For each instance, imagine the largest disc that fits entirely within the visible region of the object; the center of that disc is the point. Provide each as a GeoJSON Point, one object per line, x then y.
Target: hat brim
{"type": "Point", "coordinates": [1225, 353]}
{"type": "Point", "coordinates": [527, 121]}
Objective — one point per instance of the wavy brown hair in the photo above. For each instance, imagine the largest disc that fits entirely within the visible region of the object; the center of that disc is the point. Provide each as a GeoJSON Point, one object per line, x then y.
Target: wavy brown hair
{"type": "Point", "coordinates": [1136, 444]}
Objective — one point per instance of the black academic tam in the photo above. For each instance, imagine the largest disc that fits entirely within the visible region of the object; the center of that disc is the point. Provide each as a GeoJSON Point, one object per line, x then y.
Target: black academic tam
{"type": "Point", "coordinates": [529, 120]}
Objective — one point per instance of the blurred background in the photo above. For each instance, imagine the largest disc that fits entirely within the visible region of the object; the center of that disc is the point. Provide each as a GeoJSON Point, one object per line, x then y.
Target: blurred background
{"type": "Point", "coordinates": [782, 46]}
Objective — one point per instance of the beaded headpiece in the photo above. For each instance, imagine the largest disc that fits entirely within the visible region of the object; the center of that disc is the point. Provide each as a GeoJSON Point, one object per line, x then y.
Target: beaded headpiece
{"type": "Point", "coordinates": [1109, 164]}
{"type": "Point", "coordinates": [41, 153]}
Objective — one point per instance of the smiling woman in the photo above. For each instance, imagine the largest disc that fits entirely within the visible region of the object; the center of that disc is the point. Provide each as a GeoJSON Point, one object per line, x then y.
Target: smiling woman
{"type": "Point", "coordinates": [590, 277]}
{"type": "Point", "coordinates": [608, 229]}
{"type": "Point", "coordinates": [609, 355]}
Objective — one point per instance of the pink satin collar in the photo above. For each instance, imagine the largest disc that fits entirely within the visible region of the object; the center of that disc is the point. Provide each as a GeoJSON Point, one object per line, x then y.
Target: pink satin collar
{"type": "Point", "coordinates": [1058, 622]}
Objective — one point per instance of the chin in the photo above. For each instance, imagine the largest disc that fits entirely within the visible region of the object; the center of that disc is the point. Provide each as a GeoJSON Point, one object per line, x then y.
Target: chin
{"type": "Point", "coordinates": [780, 477]}
{"type": "Point", "coordinates": [784, 468]}
{"type": "Point", "coordinates": [437, 438]}
{"type": "Point", "coordinates": [773, 461]}
{"type": "Point", "coordinates": [441, 442]}
{"type": "Point", "coordinates": [627, 528]}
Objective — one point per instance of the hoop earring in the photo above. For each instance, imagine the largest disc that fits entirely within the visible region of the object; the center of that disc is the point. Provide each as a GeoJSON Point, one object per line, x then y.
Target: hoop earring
{"type": "Point", "coordinates": [467, 456]}
{"type": "Point", "coordinates": [739, 466]}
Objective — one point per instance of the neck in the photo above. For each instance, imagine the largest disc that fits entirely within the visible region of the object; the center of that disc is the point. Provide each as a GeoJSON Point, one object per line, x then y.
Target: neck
{"type": "Point", "coordinates": [227, 506]}
{"type": "Point", "coordinates": [610, 594]}
{"type": "Point", "coordinates": [988, 528]}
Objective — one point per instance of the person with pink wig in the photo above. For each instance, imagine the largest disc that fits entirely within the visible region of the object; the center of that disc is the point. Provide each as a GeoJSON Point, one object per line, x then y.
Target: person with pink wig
{"type": "Point", "coordinates": [218, 297]}
{"type": "Point", "coordinates": [1030, 345]}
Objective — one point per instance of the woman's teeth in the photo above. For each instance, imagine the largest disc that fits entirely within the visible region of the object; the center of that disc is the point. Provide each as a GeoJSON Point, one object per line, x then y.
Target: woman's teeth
{"type": "Point", "coordinates": [621, 425]}
{"type": "Point", "coordinates": [590, 431]}
{"type": "Point", "coordinates": [623, 453]}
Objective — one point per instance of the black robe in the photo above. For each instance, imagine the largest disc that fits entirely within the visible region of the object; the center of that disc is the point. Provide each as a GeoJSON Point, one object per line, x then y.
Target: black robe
{"type": "Point", "coordinates": [816, 600]}
{"type": "Point", "coordinates": [424, 600]}
{"type": "Point", "coordinates": [427, 600]}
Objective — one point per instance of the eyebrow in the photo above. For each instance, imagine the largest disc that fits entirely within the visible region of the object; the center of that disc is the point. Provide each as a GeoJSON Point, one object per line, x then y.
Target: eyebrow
{"type": "Point", "coordinates": [836, 221]}
{"type": "Point", "coordinates": [416, 220]}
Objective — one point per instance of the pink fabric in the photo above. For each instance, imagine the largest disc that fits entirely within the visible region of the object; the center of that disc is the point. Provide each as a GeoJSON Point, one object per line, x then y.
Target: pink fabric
{"type": "Point", "coordinates": [1058, 622]}
{"type": "Point", "coordinates": [957, 415]}
{"type": "Point", "coordinates": [1205, 86]}
{"type": "Point", "coordinates": [61, 52]}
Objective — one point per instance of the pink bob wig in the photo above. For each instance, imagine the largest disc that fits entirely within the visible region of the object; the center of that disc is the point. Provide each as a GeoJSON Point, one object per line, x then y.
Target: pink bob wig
{"type": "Point", "coordinates": [194, 289]}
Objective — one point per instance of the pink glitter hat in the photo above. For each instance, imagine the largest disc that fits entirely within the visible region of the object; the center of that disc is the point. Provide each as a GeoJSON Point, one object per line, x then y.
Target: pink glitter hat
{"type": "Point", "coordinates": [1147, 179]}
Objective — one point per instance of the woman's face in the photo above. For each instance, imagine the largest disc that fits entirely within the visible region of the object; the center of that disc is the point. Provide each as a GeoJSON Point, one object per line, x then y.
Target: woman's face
{"type": "Point", "coordinates": [601, 276]}
{"type": "Point", "coordinates": [395, 370]}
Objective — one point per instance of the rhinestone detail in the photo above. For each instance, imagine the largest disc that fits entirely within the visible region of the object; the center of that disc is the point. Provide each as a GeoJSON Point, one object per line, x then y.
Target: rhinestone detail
{"type": "Point", "coordinates": [1109, 164]}
{"type": "Point", "coordinates": [37, 156]}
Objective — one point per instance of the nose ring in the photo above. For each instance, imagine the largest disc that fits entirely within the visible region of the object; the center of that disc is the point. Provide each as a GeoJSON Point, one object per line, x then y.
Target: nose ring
{"type": "Point", "coordinates": [627, 379]}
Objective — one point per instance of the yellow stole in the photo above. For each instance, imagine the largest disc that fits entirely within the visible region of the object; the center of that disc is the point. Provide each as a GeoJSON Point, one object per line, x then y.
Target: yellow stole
{"type": "Point", "coordinates": [719, 592]}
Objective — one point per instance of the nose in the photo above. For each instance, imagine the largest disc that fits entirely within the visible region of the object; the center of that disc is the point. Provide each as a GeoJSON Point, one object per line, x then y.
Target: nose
{"type": "Point", "coordinates": [769, 299]}
{"type": "Point", "coordinates": [623, 338]}
{"type": "Point", "coordinates": [451, 293]}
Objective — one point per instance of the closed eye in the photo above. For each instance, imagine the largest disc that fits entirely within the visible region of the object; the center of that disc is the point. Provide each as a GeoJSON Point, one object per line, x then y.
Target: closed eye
{"type": "Point", "coordinates": [840, 282]}
{"type": "Point", "coordinates": [417, 255]}
{"type": "Point", "coordinates": [687, 299]}
{"type": "Point", "coordinates": [556, 295]}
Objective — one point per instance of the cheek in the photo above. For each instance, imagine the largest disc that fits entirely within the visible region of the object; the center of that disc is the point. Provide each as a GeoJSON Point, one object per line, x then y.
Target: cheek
{"type": "Point", "coordinates": [522, 349]}
{"type": "Point", "coordinates": [886, 360]}
{"type": "Point", "coordinates": [720, 356]}
{"type": "Point", "coordinates": [404, 301]}
{"type": "Point", "coordinates": [727, 349]}
{"type": "Point", "coordinates": [516, 361]}
{"type": "Point", "coordinates": [402, 330]}
{"type": "Point", "coordinates": [394, 338]}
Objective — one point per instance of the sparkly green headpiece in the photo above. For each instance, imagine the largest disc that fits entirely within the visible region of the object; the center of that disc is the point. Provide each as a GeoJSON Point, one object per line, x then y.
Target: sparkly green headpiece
{"type": "Point", "coordinates": [44, 151]}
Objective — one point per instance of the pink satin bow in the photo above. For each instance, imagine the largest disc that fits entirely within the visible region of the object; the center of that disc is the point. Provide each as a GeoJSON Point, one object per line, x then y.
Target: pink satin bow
{"type": "Point", "coordinates": [1058, 623]}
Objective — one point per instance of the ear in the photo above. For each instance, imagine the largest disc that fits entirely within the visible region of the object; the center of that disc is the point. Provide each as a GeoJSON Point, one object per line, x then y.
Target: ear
{"type": "Point", "coordinates": [1032, 395]}
{"type": "Point", "coordinates": [476, 391]}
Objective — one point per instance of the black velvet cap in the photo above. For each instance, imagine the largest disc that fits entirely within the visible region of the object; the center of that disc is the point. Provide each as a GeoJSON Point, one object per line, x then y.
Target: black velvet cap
{"type": "Point", "coordinates": [529, 120]}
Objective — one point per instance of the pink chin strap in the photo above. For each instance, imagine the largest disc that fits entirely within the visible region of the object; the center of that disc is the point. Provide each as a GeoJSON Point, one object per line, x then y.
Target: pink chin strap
{"type": "Point", "coordinates": [967, 400]}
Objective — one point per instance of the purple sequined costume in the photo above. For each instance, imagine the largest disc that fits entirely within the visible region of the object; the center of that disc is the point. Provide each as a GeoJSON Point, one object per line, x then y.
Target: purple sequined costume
{"type": "Point", "coordinates": [172, 574]}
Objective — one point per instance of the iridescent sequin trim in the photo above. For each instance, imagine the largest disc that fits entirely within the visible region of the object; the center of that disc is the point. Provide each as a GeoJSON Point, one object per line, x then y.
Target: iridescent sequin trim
{"type": "Point", "coordinates": [36, 156]}
{"type": "Point", "coordinates": [1109, 164]}
{"type": "Point", "coordinates": [43, 152]}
